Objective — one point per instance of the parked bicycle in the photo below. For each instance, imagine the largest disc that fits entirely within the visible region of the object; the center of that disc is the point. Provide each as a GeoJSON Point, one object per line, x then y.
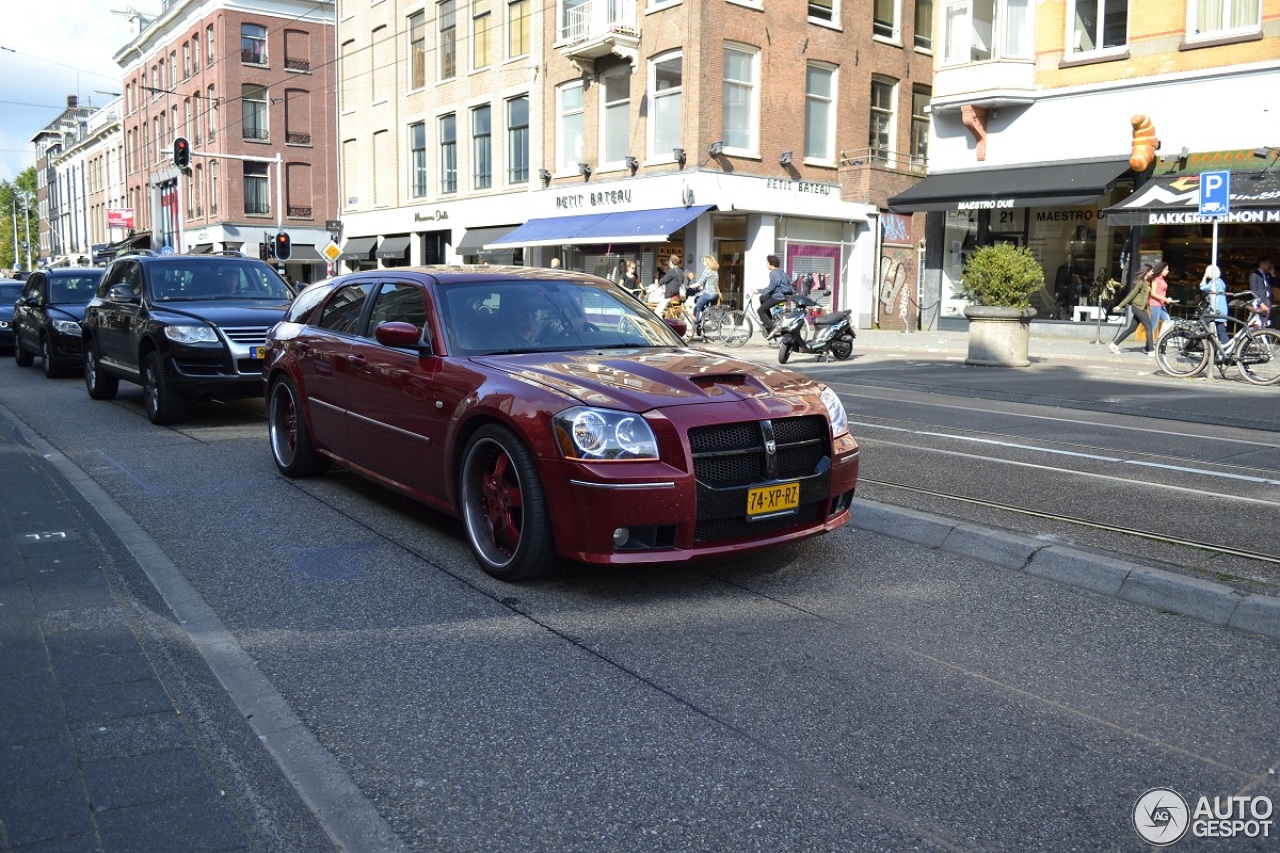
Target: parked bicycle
{"type": "Point", "coordinates": [1188, 347]}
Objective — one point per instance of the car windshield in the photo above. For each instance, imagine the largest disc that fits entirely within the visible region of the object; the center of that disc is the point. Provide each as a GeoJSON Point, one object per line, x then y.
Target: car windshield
{"type": "Point", "coordinates": [225, 280]}
{"type": "Point", "coordinates": [73, 289]}
{"type": "Point", "coordinates": [9, 293]}
{"type": "Point", "coordinates": [484, 318]}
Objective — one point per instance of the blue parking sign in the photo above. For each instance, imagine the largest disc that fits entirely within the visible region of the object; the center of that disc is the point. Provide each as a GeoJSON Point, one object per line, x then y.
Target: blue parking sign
{"type": "Point", "coordinates": [1215, 193]}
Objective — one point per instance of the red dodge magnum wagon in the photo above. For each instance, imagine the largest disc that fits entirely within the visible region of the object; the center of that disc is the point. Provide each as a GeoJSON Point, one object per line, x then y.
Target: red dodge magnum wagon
{"type": "Point", "coordinates": [554, 414]}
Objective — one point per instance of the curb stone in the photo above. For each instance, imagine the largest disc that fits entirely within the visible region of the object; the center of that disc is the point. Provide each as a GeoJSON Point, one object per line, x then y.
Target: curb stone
{"type": "Point", "coordinates": [1206, 601]}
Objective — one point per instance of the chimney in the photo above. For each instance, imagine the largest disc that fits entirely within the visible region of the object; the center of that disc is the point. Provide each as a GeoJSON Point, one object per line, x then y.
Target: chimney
{"type": "Point", "coordinates": [72, 100]}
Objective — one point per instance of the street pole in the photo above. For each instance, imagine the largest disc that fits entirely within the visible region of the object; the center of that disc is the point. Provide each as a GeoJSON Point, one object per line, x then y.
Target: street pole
{"type": "Point", "coordinates": [279, 194]}
{"type": "Point", "coordinates": [17, 262]}
{"type": "Point", "coordinates": [26, 229]}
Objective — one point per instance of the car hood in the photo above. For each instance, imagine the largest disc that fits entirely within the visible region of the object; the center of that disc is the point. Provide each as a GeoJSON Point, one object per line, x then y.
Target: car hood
{"type": "Point", "coordinates": [647, 379]}
{"type": "Point", "coordinates": [224, 313]}
{"type": "Point", "coordinates": [65, 312]}
{"type": "Point", "coordinates": [6, 312]}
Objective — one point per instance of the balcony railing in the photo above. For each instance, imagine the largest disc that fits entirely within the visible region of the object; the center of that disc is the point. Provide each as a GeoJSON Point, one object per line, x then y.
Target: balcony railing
{"type": "Point", "coordinates": [299, 212]}
{"type": "Point", "coordinates": [297, 64]}
{"type": "Point", "coordinates": [258, 134]}
{"type": "Point", "coordinates": [599, 28]}
{"type": "Point", "coordinates": [297, 138]}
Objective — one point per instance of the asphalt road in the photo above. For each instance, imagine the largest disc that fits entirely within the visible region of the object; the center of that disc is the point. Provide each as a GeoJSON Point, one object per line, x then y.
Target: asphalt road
{"type": "Point", "coordinates": [855, 692]}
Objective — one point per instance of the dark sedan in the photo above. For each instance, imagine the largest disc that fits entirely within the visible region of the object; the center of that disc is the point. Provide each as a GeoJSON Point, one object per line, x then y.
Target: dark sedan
{"type": "Point", "coordinates": [10, 290]}
{"type": "Point", "coordinates": [46, 320]}
{"type": "Point", "coordinates": [556, 415]}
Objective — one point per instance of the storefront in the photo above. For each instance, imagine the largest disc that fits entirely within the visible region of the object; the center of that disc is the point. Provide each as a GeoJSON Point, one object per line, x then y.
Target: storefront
{"type": "Point", "coordinates": [1051, 209]}
{"type": "Point", "coordinates": [1166, 213]}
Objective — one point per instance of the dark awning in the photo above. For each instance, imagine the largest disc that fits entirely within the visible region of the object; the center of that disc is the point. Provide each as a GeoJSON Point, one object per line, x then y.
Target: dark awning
{"type": "Point", "coordinates": [473, 242]}
{"type": "Point", "coordinates": [1052, 184]}
{"type": "Point", "coordinates": [305, 252]}
{"type": "Point", "coordinates": [1175, 200]}
{"type": "Point", "coordinates": [630, 226]}
{"type": "Point", "coordinates": [200, 249]}
{"type": "Point", "coordinates": [357, 249]}
{"type": "Point", "coordinates": [393, 247]}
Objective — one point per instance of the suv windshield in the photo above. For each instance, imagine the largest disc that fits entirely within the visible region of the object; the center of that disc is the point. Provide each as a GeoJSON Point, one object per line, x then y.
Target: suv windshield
{"type": "Point", "coordinates": [175, 282]}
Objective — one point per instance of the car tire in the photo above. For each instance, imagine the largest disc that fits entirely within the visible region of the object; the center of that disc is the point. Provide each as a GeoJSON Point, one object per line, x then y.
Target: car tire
{"type": "Point", "coordinates": [162, 404]}
{"type": "Point", "coordinates": [21, 357]}
{"type": "Point", "coordinates": [100, 384]}
{"type": "Point", "coordinates": [288, 434]}
{"type": "Point", "coordinates": [503, 507]}
{"type": "Point", "coordinates": [784, 352]}
{"type": "Point", "coordinates": [51, 368]}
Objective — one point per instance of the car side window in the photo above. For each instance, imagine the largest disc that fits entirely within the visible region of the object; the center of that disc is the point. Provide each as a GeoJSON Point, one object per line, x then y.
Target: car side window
{"type": "Point", "coordinates": [32, 288]}
{"type": "Point", "coordinates": [341, 313]}
{"type": "Point", "coordinates": [114, 276]}
{"type": "Point", "coordinates": [400, 303]}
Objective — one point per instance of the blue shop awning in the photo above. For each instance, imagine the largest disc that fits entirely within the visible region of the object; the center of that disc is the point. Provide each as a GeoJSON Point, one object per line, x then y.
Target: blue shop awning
{"type": "Point", "coordinates": [629, 226]}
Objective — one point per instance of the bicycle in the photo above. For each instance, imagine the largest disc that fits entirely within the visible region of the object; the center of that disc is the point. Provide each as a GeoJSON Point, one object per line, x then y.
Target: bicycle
{"type": "Point", "coordinates": [737, 326]}
{"type": "Point", "coordinates": [1186, 349]}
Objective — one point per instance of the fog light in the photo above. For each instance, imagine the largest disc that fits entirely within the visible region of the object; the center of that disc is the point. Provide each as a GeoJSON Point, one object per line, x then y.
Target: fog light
{"type": "Point", "coordinates": [620, 537]}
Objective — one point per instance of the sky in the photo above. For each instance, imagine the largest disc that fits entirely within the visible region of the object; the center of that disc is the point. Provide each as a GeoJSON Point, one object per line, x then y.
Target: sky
{"type": "Point", "coordinates": [50, 49]}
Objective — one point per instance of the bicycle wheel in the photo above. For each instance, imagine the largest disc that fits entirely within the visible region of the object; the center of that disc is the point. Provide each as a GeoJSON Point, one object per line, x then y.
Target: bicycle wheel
{"type": "Point", "coordinates": [711, 323]}
{"type": "Point", "coordinates": [1183, 352]}
{"type": "Point", "coordinates": [735, 328]}
{"type": "Point", "coordinates": [1259, 357]}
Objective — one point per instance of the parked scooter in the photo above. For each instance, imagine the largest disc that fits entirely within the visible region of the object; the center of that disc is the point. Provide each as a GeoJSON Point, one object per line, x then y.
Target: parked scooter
{"type": "Point", "coordinates": [816, 334]}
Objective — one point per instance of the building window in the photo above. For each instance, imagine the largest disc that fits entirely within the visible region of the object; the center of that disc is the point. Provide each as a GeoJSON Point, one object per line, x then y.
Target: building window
{"type": "Point", "coordinates": [666, 82]}
{"type": "Point", "coordinates": [480, 21]}
{"type": "Point", "coordinates": [253, 111]}
{"type": "Point", "coordinates": [448, 39]}
{"type": "Point", "coordinates": [924, 24]}
{"type": "Point", "coordinates": [740, 99]}
{"type": "Point", "coordinates": [481, 148]}
{"type": "Point", "coordinates": [920, 96]}
{"type": "Point", "coordinates": [418, 160]}
{"type": "Point", "coordinates": [195, 53]}
{"type": "Point", "coordinates": [820, 113]}
{"type": "Point", "coordinates": [173, 69]}
{"type": "Point", "coordinates": [186, 117]}
{"type": "Point", "coordinates": [199, 188]}
{"type": "Point", "coordinates": [822, 10]}
{"type": "Point", "coordinates": [449, 153]}
{"type": "Point", "coordinates": [417, 50]}
{"type": "Point", "coordinates": [885, 19]}
{"type": "Point", "coordinates": [881, 142]}
{"type": "Point", "coordinates": [213, 187]}
{"type": "Point", "coordinates": [517, 28]}
{"type": "Point", "coordinates": [518, 140]}
{"type": "Point", "coordinates": [186, 60]}
{"type": "Point", "coordinates": [1217, 18]}
{"type": "Point", "coordinates": [1098, 25]}
{"type": "Point", "coordinates": [155, 81]}
{"type": "Point", "coordinates": [569, 126]}
{"type": "Point", "coordinates": [213, 114]}
{"type": "Point", "coordinates": [253, 44]}
{"type": "Point", "coordinates": [615, 108]}
{"type": "Point", "coordinates": [257, 189]}
{"type": "Point", "coordinates": [208, 43]}
{"type": "Point", "coordinates": [972, 30]}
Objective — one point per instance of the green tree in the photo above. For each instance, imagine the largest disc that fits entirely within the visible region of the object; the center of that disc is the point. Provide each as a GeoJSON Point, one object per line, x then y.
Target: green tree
{"type": "Point", "coordinates": [19, 220]}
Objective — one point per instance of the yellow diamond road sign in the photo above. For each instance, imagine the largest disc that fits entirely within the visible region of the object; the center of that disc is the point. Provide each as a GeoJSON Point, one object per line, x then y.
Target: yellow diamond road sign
{"type": "Point", "coordinates": [331, 251]}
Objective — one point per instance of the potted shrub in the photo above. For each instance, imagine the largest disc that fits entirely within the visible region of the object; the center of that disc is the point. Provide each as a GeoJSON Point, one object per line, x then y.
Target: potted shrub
{"type": "Point", "coordinates": [999, 280]}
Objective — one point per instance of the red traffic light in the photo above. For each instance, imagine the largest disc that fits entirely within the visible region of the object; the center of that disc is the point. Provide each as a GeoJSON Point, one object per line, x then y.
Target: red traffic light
{"type": "Point", "coordinates": [181, 153]}
{"type": "Point", "coordinates": [283, 250]}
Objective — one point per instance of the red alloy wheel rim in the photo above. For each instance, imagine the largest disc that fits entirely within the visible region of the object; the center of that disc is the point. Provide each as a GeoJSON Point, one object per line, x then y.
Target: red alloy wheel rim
{"type": "Point", "coordinates": [503, 501]}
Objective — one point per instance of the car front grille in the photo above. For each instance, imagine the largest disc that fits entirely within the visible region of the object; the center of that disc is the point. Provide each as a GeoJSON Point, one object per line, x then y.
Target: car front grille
{"type": "Point", "coordinates": [248, 336]}
{"type": "Point", "coordinates": [730, 458]}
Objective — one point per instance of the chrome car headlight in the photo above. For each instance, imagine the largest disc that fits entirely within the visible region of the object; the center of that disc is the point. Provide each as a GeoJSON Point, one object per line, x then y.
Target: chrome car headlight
{"type": "Point", "coordinates": [594, 434]}
{"type": "Point", "coordinates": [190, 334]}
{"type": "Point", "coordinates": [67, 327]}
{"type": "Point", "coordinates": [835, 411]}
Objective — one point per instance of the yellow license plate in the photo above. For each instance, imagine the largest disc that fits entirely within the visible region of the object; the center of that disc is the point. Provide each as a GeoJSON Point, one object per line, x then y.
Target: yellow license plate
{"type": "Point", "coordinates": [259, 353]}
{"type": "Point", "coordinates": [766, 500]}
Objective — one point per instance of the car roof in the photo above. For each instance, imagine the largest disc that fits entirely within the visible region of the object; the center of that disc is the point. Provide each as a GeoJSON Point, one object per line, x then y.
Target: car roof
{"type": "Point", "coordinates": [69, 272]}
{"type": "Point", "coordinates": [471, 273]}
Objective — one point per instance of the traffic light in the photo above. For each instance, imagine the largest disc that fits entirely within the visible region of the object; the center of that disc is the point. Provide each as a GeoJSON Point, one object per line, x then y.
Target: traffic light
{"type": "Point", "coordinates": [282, 247]}
{"type": "Point", "coordinates": [182, 153]}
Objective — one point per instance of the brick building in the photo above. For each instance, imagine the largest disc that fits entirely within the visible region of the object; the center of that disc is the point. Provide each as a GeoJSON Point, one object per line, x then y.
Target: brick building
{"type": "Point", "coordinates": [251, 88]}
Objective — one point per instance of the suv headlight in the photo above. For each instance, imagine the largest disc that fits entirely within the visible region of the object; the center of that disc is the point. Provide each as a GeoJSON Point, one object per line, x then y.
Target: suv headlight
{"type": "Point", "coordinates": [835, 411]}
{"type": "Point", "coordinates": [190, 334]}
{"type": "Point", "coordinates": [594, 434]}
{"type": "Point", "coordinates": [67, 327]}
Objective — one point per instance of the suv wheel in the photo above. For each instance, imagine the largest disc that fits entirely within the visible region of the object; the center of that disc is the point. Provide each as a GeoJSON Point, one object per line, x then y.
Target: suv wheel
{"type": "Point", "coordinates": [21, 356]}
{"type": "Point", "coordinates": [100, 384]}
{"type": "Point", "coordinates": [51, 368]}
{"type": "Point", "coordinates": [163, 406]}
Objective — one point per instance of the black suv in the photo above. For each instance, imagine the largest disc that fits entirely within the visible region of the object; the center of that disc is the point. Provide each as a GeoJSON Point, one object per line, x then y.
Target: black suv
{"type": "Point", "coordinates": [46, 320]}
{"type": "Point", "coordinates": [183, 327]}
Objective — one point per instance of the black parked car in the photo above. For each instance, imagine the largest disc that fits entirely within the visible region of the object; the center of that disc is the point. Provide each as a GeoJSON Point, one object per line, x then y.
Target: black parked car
{"type": "Point", "coordinates": [183, 327]}
{"type": "Point", "coordinates": [10, 290]}
{"type": "Point", "coordinates": [46, 320]}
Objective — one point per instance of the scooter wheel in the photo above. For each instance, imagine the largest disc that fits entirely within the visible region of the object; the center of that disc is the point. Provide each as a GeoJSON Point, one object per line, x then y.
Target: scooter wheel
{"type": "Point", "coordinates": [842, 348]}
{"type": "Point", "coordinates": [784, 352]}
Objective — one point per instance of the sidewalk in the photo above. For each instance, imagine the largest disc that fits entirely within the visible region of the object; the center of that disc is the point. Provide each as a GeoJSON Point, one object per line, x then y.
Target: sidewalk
{"type": "Point", "coordinates": [95, 754]}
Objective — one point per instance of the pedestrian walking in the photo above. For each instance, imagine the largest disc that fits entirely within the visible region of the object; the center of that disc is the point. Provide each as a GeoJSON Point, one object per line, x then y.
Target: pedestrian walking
{"type": "Point", "coordinates": [774, 293]}
{"type": "Point", "coordinates": [708, 285]}
{"type": "Point", "coordinates": [1213, 285]}
{"type": "Point", "coordinates": [1136, 301]}
{"type": "Point", "coordinates": [1157, 303]}
{"type": "Point", "coordinates": [1261, 281]}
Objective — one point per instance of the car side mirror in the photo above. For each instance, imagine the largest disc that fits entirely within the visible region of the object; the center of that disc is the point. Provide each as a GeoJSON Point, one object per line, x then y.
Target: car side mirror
{"type": "Point", "coordinates": [121, 293]}
{"type": "Point", "coordinates": [402, 336]}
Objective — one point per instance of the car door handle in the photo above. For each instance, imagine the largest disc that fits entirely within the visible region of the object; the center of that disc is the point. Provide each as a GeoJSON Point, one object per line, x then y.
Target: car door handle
{"type": "Point", "coordinates": [302, 347]}
{"type": "Point", "coordinates": [357, 360]}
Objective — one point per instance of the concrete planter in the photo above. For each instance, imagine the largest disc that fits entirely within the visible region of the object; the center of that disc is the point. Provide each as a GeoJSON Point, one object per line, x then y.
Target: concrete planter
{"type": "Point", "coordinates": [999, 336]}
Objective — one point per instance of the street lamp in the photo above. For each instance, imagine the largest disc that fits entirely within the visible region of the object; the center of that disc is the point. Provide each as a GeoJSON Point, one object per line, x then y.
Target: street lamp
{"type": "Point", "coordinates": [26, 231]}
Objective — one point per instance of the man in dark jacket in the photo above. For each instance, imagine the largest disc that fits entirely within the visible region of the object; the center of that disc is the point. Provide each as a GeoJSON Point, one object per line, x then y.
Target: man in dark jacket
{"type": "Point", "coordinates": [672, 278]}
{"type": "Point", "coordinates": [774, 293]}
{"type": "Point", "coordinates": [1261, 281]}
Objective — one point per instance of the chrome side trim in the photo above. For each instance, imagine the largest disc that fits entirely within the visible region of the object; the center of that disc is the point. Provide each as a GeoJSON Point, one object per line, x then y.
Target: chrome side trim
{"type": "Point", "coordinates": [330, 406]}
{"type": "Point", "coordinates": [622, 486]}
{"type": "Point", "coordinates": [387, 426]}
